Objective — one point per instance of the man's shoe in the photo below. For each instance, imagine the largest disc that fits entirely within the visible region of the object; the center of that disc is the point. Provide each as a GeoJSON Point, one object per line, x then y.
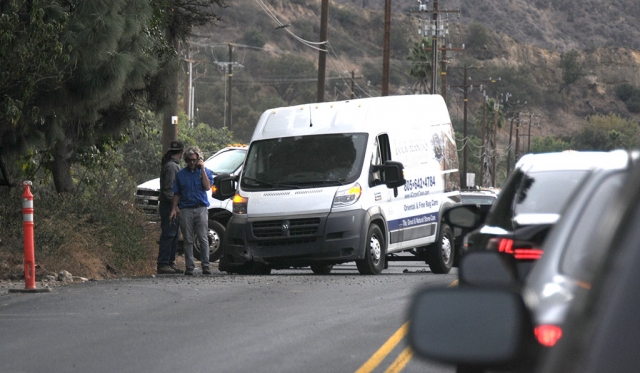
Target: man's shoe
{"type": "Point", "coordinates": [165, 269]}
{"type": "Point", "coordinates": [176, 269]}
{"type": "Point", "coordinates": [188, 272]}
{"type": "Point", "coordinates": [206, 271]}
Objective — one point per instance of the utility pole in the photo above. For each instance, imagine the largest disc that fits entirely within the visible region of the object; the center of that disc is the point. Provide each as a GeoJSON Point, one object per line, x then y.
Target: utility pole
{"type": "Point", "coordinates": [353, 77]}
{"type": "Point", "coordinates": [515, 160]}
{"type": "Point", "coordinates": [529, 135]}
{"type": "Point", "coordinates": [434, 48]}
{"type": "Point", "coordinates": [484, 134]}
{"type": "Point", "coordinates": [437, 29]}
{"type": "Point", "coordinates": [463, 183]}
{"type": "Point", "coordinates": [510, 141]}
{"type": "Point", "coordinates": [322, 57]}
{"type": "Point", "coordinates": [465, 90]}
{"type": "Point", "coordinates": [229, 76]}
{"type": "Point", "coordinates": [386, 48]}
{"type": "Point", "coordinates": [445, 62]}
{"type": "Point", "coordinates": [187, 80]}
{"type": "Point", "coordinates": [494, 157]}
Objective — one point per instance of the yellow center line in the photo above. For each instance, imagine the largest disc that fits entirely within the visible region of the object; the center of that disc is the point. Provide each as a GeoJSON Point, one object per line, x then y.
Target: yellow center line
{"type": "Point", "coordinates": [402, 360]}
{"type": "Point", "coordinates": [383, 351]}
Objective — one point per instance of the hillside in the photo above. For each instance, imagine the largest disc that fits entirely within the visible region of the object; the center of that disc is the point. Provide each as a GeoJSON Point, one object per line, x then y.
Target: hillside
{"type": "Point", "coordinates": [521, 42]}
{"type": "Point", "coordinates": [551, 24]}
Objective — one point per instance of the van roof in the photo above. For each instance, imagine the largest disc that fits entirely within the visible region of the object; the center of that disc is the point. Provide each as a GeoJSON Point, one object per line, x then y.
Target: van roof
{"type": "Point", "coordinates": [574, 160]}
{"type": "Point", "coordinates": [375, 114]}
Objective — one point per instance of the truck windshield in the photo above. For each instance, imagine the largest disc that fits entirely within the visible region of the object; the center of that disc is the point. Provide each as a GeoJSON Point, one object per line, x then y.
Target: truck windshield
{"type": "Point", "coordinates": [227, 161]}
{"type": "Point", "coordinates": [304, 161]}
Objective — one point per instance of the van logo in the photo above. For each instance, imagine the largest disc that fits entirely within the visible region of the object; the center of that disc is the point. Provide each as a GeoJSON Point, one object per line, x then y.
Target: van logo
{"type": "Point", "coordinates": [378, 196]}
{"type": "Point", "coordinates": [285, 228]}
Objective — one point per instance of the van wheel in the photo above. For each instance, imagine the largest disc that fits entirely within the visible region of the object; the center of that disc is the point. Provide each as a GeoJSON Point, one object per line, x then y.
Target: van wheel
{"type": "Point", "coordinates": [321, 269]}
{"type": "Point", "coordinates": [440, 257]}
{"type": "Point", "coordinates": [215, 235]}
{"type": "Point", "coordinates": [374, 253]}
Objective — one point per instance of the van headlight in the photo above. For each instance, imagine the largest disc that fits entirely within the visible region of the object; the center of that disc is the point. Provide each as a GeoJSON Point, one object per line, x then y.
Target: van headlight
{"type": "Point", "coordinates": [347, 196]}
{"type": "Point", "coordinates": [240, 204]}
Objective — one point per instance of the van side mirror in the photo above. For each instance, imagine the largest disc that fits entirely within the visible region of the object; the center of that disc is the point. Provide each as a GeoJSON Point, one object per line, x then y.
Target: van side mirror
{"type": "Point", "coordinates": [224, 186]}
{"type": "Point", "coordinates": [393, 174]}
{"type": "Point", "coordinates": [484, 328]}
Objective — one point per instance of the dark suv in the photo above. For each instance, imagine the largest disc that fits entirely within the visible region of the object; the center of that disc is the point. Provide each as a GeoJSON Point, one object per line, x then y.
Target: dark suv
{"type": "Point", "coordinates": [529, 204]}
{"type": "Point", "coordinates": [587, 280]}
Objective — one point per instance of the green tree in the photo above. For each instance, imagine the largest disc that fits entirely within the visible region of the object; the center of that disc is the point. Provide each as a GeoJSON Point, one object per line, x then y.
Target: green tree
{"type": "Point", "coordinates": [630, 95]}
{"type": "Point", "coordinates": [110, 62]}
{"type": "Point", "coordinates": [32, 60]}
{"type": "Point", "coordinates": [572, 69]}
{"type": "Point", "coordinates": [479, 41]}
{"type": "Point", "coordinates": [625, 90]}
{"type": "Point", "coordinates": [254, 37]}
{"type": "Point", "coordinates": [548, 144]}
{"type": "Point", "coordinates": [421, 67]}
{"type": "Point", "coordinates": [607, 132]}
{"type": "Point", "coordinates": [172, 23]}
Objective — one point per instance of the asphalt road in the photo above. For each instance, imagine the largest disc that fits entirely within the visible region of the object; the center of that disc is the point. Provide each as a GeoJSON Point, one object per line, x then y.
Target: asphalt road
{"type": "Point", "coordinates": [289, 321]}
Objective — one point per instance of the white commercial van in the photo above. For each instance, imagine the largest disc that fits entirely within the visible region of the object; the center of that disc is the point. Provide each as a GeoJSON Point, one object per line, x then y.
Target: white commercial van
{"type": "Point", "coordinates": [361, 180]}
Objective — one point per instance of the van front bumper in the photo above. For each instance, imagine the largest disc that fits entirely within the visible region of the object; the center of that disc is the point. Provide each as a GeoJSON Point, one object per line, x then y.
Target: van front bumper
{"type": "Point", "coordinates": [296, 241]}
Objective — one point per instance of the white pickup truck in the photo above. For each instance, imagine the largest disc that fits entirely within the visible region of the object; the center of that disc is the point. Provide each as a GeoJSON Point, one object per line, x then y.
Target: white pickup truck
{"type": "Point", "coordinates": [227, 160]}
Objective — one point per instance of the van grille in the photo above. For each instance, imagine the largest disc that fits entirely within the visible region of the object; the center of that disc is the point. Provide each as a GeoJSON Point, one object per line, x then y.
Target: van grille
{"type": "Point", "coordinates": [287, 242]}
{"type": "Point", "coordinates": [285, 228]}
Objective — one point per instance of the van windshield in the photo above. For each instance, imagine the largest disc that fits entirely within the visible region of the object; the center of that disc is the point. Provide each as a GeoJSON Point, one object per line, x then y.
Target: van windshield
{"type": "Point", "coordinates": [304, 161]}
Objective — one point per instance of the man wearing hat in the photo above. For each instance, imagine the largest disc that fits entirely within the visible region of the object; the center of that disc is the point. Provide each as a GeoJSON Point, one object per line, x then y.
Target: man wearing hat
{"type": "Point", "coordinates": [169, 236]}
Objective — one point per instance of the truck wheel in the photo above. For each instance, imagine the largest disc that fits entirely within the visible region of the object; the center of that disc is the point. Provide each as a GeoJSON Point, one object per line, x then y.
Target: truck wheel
{"type": "Point", "coordinates": [321, 268]}
{"type": "Point", "coordinates": [215, 235]}
{"type": "Point", "coordinates": [440, 257]}
{"type": "Point", "coordinates": [374, 253]}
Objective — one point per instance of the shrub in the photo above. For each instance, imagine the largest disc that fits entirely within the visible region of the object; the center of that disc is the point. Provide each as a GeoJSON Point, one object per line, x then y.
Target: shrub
{"type": "Point", "coordinates": [633, 103]}
{"type": "Point", "coordinates": [88, 236]}
{"type": "Point", "coordinates": [254, 38]}
{"type": "Point", "coordinates": [625, 90]}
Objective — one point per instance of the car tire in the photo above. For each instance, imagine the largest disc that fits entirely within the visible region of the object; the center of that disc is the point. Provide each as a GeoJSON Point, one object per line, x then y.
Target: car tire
{"type": "Point", "coordinates": [215, 235]}
{"type": "Point", "coordinates": [375, 251]}
{"type": "Point", "coordinates": [440, 257]}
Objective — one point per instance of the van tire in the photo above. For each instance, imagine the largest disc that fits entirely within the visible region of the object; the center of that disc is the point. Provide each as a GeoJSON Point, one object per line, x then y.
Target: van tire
{"type": "Point", "coordinates": [321, 268]}
{"type": "Point", "coordinates": [215, 235]}
{"type": "Point", "coordinates": [440, 257]}
{"type": "Point", "coordinates": [375, 252]}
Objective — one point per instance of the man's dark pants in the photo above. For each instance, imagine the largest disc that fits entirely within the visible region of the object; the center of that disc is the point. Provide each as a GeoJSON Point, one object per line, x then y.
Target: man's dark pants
{"type": "Point", "coordinates": [169, 235]}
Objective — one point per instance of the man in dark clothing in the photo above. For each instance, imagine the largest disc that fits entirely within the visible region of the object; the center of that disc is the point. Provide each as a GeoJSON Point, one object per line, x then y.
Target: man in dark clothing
{"type": "Point", "coordinates": [169, 226]}
{"type": "Point", "coordinates": [190, 200]}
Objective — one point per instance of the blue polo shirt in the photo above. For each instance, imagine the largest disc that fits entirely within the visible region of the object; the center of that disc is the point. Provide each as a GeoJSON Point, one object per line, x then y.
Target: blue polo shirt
{"type": "Point", "coordinates": [188, 184]}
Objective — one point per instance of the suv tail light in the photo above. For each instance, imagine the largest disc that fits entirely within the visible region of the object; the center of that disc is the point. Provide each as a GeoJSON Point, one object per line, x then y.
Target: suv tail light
{"type": "Point", "coordinates": [521, 250]}
{"type": "Point", "coordinates": [547, 335]}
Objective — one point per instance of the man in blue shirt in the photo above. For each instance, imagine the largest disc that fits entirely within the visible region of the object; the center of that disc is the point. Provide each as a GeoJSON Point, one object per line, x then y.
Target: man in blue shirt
{"type": "Point", "coordinates": [191, 202]}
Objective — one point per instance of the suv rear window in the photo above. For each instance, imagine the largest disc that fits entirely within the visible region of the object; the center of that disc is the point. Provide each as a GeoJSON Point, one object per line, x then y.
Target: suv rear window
{"type": "Point", "coordinates": [547, 192]}
{"type": "Point", "coordinates": [536, 198]}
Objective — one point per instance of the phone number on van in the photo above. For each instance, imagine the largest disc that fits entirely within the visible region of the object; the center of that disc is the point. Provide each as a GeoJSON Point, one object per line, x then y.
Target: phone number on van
{"type": "Point", "coordinates": [420, 183]}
